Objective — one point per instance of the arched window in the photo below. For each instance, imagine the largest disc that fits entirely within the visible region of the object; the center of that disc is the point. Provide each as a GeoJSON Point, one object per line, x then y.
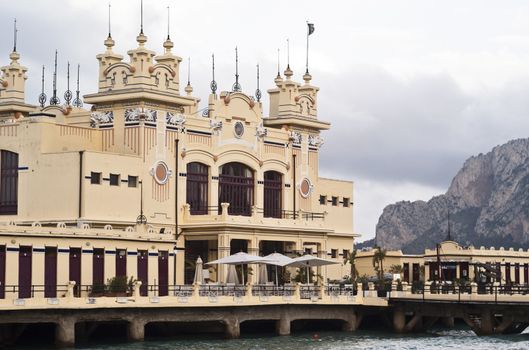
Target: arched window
{"type": "Point", "coordinates": [236, 187]}
{"type": "Point", "coordinates": [273, 185]}
{"type": "Point", "coordinates": [197, 188]}
{"type": "Point", "coordinates": [8, 183]}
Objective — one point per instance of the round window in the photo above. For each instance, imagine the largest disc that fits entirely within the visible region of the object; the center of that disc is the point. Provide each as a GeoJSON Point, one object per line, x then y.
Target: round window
{"type": "Point", "coordinates": [305, 187]}
{"type": "Point", "coordinates": [161, 173]}
{"type": "Point", "coordinates": [238, 129]}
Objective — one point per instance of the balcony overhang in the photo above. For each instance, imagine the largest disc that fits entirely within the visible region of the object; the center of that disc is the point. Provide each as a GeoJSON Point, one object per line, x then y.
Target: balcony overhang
{"type": "Point", "coordinates": [139, 94]}
{"type": "Point", "coordinates": [300, 122]}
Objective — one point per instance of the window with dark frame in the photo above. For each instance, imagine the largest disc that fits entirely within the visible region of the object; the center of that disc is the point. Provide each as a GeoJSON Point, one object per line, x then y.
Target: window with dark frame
{"type": "Point", "coordinates": [334, 253]}
{"type": "Point", "coordinates": [323, 200]}
{"type": "Point", "coordinates": [95, 178]}
{"type": "Point", "coordinates": [132, 181]}
{"type": "Point", "coordinates": [345, 253]}
{"type": "Point", "coordinates": [197, 188]}
{"type": "Point", "coordinates": [346, 202]}
{"type": "Point", "coordinates": [334, 201]}
{"type": "Point", "coordinates": [236, 187]}
{"type": "Point", "coordinates": [8, 183]}
{"type": "Point", "coordinates": [114, 179]}
{"type": "Point", "coordinates": [273, 185]}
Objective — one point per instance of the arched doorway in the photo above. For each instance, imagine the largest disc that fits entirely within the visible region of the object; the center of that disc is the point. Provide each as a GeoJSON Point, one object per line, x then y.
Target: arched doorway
{"type": "Point", "coordinates": [197, 188]}
{"type": "Point", "coordinates": [236, 186]}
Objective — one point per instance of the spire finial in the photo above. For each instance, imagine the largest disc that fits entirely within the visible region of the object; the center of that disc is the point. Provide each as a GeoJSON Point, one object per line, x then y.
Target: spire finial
{"type": "Point", "coordinates": [141, 17]}
{"type": "Point", "coordinates": [54, 100]}
{"type": "Point", "coordinates": [236, 86]}
{"type": "Point", "coordinates": [42, 96]}
{"type": "Point", "coordinates": [278, 62]}
{"type": "Point", "coordinates": [68, 93]}
{"type": "Point", "coordinates": [213, 84]}
{"type": "Point", "coordinates": [15, 36]}
{"type": "Point", "coordinates": [77, 102]}
{"type": "Point", "coordinates": [189, 88]}
{"type": "Point", "coordinates": [168, 22]}
{"type": "Point", "coordinates": [288, 72]}
{"type": "Point", "coordinates": [258, 91]}
{"type": "Point", "coordinates": [109, 27]}
{"type": "Point", "coordinates": [310, 30]}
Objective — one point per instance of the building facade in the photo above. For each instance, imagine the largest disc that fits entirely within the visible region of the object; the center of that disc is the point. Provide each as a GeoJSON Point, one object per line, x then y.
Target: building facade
{"type": "Point", "coordinates": [147, 179]}
{"type": "Point", "coordinates": [450, 262]}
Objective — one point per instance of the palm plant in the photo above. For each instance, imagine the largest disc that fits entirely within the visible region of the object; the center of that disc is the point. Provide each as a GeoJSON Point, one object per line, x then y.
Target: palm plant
{"type": "Point", "coordinates": [378, 261]}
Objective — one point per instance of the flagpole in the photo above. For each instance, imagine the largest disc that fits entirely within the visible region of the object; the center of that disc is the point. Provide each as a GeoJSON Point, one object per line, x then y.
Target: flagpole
{"type": "Point", "coordinates": [307, 63]}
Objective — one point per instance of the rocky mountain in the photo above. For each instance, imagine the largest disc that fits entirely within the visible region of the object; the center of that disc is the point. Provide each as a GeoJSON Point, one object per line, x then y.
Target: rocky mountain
{"type": "Point", "coordinates": [488, 202]}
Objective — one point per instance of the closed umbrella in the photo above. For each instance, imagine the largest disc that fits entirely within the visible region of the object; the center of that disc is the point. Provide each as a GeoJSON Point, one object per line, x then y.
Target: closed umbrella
{"type": "Point", "coordinates": [263, 274]}
{"type": "Point", "coordinates": [199, 274]}
{"type": "Point", "coordinates": [232, 276]}
{"type": "Point", "coordinates": [309, 261]}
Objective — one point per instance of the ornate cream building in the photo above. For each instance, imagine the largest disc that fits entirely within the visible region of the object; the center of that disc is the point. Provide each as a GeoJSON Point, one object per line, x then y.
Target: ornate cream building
{"type": "Point", "coordinates": [148, 179]}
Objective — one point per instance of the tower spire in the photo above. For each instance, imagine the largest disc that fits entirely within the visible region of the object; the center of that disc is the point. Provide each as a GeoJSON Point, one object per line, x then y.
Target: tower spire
{"type": "Point", "coordinates": [68, 93]}
{"type": "Point", "coordinates": [188, 89]}
{"type": "Point", "coordinates": [55, 100]}
{"type": "Point", "coordinates": [258, 91]}
{"type": "Point", "coordinates": [307, 77]}
{"type": "Point", "coordinates": [278, 62]}
{"type": "Point", "coordinates": [213, 84]}
{"type": "Point", "coordinates": [42, 96]}
{"type": "Point", "coordinates": [236, 86]}
{"type": "Point", "coordinates": [288, 72]}
{"type": "Point", "coordinates": [15, 31]}
{"type": "Point", "coordinates": [77, 102]}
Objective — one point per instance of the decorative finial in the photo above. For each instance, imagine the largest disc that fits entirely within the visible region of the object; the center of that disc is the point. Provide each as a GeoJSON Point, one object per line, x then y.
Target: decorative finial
{"type": "Point", "coordinates": [288, 72]}
{"type": "Point", "coordinates": [278, 63]}
{"type": "Point", "coordinates": [141, 38]}
{"type": "Point", "coordinates": [42, 96]}
{"type": "Point", "coordinates": [15, 37]}
{"type": "Point", "coordinates": [188, 89]}
{"type": "Point", "coordinates": [109, 42]}
{"type": "Point", "coordinates": [213, 84]}
{"type": "Point", "coordinates": [258, 91]}
{"type": "Point", "coordinates": [68, 93]}
{"type": "Point", "coordinates": [77, 102]}
{"type": "Point", "coordinates": [54, 100]}
{"type": "Point", "coordinates": [236, 86]}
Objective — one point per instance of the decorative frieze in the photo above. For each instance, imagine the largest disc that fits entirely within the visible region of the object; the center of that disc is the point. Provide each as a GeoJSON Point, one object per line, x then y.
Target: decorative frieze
{"type": "Point", "coordinates": [316, 141]}
{"type": "Point", "coordinates": [98, 119]}
{"type": "Point", "coordinates": [261, 131]}
{"type": "Point", "coordinates": [137, 114]}
{"type": "Point", "coordinates": [295, 137]}
{"type": "Point", "coordinates": [176, 120]}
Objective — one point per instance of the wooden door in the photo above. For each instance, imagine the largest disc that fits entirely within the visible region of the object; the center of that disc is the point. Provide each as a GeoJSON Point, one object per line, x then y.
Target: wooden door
{"type": "Point", "coordinates": [416, 272]}
{"type": "Point", "coordinates": [98, 268]}
{"type": "Point", "coordinates": [121, 262]}
{"type": "Point", "coordinates": [526, 273]}
{"type": "Point", "coordinates": [463, 270]}
{"type": "Point", "coordinates": [517, 273]}
{"type": "Point", "coordinates": [143, 271]}
{"type": "Point", "coordinates": [50, 272]}
{"type": "Point", "coordinates": [163, 273]}
{"type": "Point", "coordinates": [74, 273]}
{"type": "Point", "coordinates": [507, 273]}
{"type": "Point", "coordinates": [2, 271]}
{"type": "Point", "coordinates": [24, 272]}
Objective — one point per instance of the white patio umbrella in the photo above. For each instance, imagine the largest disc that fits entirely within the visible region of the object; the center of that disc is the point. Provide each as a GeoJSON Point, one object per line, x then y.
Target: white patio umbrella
{"type": "Point", "coordinates": [199, 274]}
{"type": "Point", "coordinates": [278, 259]}
{"type": "Point", "coordinates": [309, 261]}
{"type": "Point", "coordinates": [232, 276]}
{"type": "Point", "coordinates": [263, 274]}
{"type": "Point", "coordinates": [240, 258]}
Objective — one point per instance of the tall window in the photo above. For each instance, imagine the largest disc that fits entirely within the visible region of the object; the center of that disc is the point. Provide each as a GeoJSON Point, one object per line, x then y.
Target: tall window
{"type": "Point", "coordinates": [272, 194]}
{"type": "Point", "coordinates": [236, 187]}
{"type": "Point", "coordinates": [8, 183]}
{"type": "Point", "coordinates": [197, 188]}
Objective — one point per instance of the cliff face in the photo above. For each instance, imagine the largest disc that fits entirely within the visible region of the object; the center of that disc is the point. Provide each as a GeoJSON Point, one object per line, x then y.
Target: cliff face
{"type": "Point", "coordinates": [488, 202]}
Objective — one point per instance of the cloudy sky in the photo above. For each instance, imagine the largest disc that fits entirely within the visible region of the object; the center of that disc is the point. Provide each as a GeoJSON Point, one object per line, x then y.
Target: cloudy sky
{"type": "Point", "coordinates": [412, 87]}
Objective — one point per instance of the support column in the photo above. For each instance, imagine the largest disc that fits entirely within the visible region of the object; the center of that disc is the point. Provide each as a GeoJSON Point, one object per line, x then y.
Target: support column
{"type": "Point", "coordinates": [351, 323]}
{"type": "Point", "coordinates": [399, 320]}
{"type": "Point", "coordinates": [65, 333]}
{"type": "Point", "coordinates": [233, 328]}
{"type": "Point", "coordinates": [136, 330]}
{"type": "Point", "coordinates": [223, 251]}
{"type": "Point", "coordinates": [283, 326]}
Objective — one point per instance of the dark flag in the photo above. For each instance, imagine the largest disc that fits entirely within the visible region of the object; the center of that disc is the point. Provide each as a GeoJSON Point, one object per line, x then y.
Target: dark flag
{"type": "Point", "coordinates": [311, 28]}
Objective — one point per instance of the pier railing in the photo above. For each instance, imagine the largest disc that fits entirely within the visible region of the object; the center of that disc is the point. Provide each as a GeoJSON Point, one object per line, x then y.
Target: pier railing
{"type": "Point", "coordinates": [72, 295]}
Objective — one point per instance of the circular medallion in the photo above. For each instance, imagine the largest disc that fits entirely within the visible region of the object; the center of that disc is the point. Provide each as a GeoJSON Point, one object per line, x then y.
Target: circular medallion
{"type": "Point", "coordinates": [238, 129]}
{"type": "Point", "coordinates": [161, 173]}
{"type": "Point", "coordinates": [305, 187]}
